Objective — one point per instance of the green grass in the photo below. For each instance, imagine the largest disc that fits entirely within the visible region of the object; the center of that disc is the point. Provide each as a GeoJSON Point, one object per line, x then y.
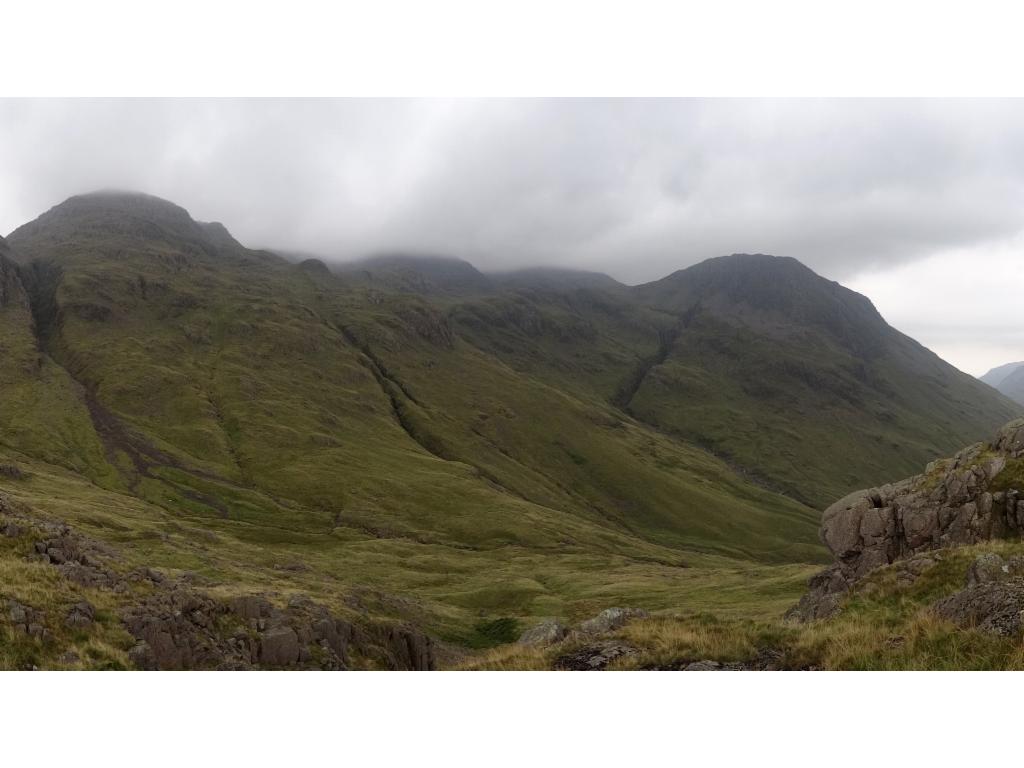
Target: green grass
{"type": "Point", "coordinates": [458, 460]}
{"type": "Point", "coordinates": [884, 625]}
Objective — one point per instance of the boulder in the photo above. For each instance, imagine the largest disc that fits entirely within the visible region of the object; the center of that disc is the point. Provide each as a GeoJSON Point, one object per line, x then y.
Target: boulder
{"type": "Point", "coordinates": [611, 619]}
{"type": "Point", "coordinates": [250, 607]}
{"type": "Point", "coordinates": [955, 502]}
{"type": "Point", "coordinates": [279, 647]}
{"type": "Point", "coordinates": [80, 616]}
{"type": "Point", "coordinates": [546, 633]}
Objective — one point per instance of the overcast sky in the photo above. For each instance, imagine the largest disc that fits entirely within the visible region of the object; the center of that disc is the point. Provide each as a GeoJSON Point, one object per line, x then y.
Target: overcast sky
{"type": "Point", "coordinates": [917, 204]}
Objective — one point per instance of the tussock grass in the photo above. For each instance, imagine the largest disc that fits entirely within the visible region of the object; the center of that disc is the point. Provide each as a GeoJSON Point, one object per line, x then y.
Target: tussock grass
{"type": "Point", "coordinates": [884, 625]}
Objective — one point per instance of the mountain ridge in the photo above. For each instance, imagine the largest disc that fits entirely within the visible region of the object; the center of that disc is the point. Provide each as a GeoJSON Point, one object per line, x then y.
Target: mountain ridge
{"type": "Point", "coordinates": [457, 444]}
{"type": "Point", "coordinates": [1008, 379]}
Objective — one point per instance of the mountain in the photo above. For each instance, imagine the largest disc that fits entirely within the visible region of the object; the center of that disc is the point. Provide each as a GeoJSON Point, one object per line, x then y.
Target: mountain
{"type": "Point", "coordinates": [434, 456]}
{"type": "Point", "coordinates": [1008, 379]}
{"type": "Point", "coordinates": [229, 419]}
{"type": "Point", "coordinates": [994, 377]}
{"type": "Point", "coordinates": [799, 380]}
{"type": "Point", "coordinates": [794, 381]}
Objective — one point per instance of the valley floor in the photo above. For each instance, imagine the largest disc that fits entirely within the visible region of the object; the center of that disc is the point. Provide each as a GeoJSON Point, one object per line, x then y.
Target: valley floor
{"type": "Point", "coordinates": [887, 623]}
{"type": "Point", "coordinates": [467, 600]}
{"type": "Point", "coordinates": [705, 611]}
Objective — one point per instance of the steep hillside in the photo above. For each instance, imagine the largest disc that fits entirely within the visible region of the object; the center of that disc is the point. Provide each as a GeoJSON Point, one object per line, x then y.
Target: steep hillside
{"type": "Point", "coordinates": [794, 381]}
{"type": "Point", "coordinates": [192, 403]}
{"type": "Point", "coordinates": [1008, 379]}
{"type": "Point", "coordinates": [412, 444]}
{"type": "Point", "coordinates": [432, 275]}
{"type": "Point", "coordinates": [800, 381]}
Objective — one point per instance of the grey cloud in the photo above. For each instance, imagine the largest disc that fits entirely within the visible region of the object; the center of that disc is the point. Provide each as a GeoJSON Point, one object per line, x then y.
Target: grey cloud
{"type": "Point", "coordinates": [637, 188]}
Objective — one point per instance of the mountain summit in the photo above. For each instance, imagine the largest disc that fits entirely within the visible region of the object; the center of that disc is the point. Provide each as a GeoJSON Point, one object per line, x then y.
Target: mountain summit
{"type": "Point", "coordinates": [799, 380]}
{"type": "Point", "coordinates": [100, 217]}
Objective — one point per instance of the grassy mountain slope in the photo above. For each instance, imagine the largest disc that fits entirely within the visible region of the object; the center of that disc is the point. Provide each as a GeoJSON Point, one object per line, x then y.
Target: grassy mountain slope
{"type": "Point", "coordinates": [219, 411]}
{"type": "Point", "coordinates": [209, 365]}
{"type": "Point", "coordinates": [795, 382]}
{"type": "Point", "coordinates": [434, 444]}
{"type": "Point", "coordinates": [800, 381]}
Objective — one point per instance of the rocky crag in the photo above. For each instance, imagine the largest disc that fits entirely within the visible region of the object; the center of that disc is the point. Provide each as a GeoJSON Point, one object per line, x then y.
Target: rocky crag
{"type": "Point", "coordinates": [175, 624]}
{"type": "Point", "coordinates": [976, 496]}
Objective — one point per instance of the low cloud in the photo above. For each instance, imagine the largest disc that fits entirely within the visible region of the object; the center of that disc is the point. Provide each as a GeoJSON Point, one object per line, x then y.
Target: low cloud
{"type": "Point", "coordinates": [637, 188]}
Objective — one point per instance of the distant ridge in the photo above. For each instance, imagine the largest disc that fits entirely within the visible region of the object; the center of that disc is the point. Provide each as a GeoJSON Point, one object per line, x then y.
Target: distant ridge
{"type": "Point", "coordinates": [1008, 379]}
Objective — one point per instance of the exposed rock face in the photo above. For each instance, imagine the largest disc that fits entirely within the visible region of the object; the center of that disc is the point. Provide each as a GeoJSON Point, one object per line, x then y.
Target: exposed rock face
{"type": "Point", "coordinates": [405, 648]}
{"type": "Point", "coordinates": [11, 290]}
{"type": "Point", "coordinates": [177, 626]}
{"type": "Point", "coordinates": [181, 628]}
{"type": "Point", "coordinates": [595, 651]}
{"type": "Point", "coordinates": [955, 502]}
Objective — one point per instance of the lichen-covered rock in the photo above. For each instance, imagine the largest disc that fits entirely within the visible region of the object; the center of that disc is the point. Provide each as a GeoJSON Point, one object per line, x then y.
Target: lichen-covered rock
{"type": "Point", "coordinates": [990, 606]}
{"type": "Point", "coordinates": [611, 619]}
{"type": "Point", "coordinates": [546, 633]}
{"type": "Point", "coordinates": [990, 567]}
{"type": "Point", "coordinates": [955, 502]}
{"type": "Point", "coordinates": [594, 657]}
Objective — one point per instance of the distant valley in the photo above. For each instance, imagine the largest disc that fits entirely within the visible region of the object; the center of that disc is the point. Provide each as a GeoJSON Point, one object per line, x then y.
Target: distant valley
{"type": "Point", "coordinates": [1008, 379]}
{"type": "Point", "coordinates": [217, 457]}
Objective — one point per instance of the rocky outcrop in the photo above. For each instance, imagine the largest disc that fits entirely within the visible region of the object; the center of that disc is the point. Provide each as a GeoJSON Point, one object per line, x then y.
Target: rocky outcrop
{"type": "Point", "coordinates": [181, 628]}
{"type": "Point", "coordinates": [11, 290]}
{"type": "Point", "coordinates": [27, 620]}
{"type": "Point", "coordinates": [611, 619]}
{"type": "Point", "coordinates": [993, 598]}
{"type": "Point", "coordinates": [546, 633]}
{"type": "Point", "coordinates": [178, 626]}
{"type": "Point", "coordinates": [970, 498]}
{"type": "Point", "coordinates": [589, 648]}
{"type": "Point", "coordinates": [594, 657]}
